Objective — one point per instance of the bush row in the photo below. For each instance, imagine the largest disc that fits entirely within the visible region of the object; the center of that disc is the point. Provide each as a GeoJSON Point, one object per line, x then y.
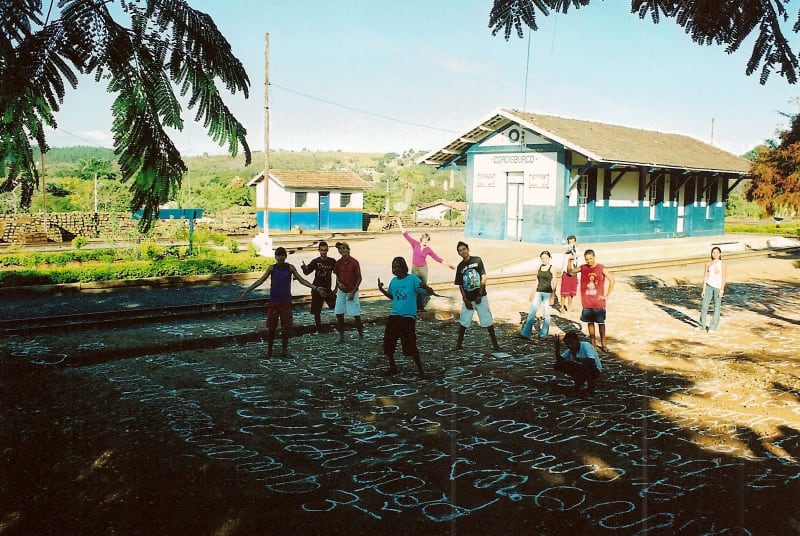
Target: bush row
{"type": "Point", "coordinates": [783, 229]}
{"type": "Point", "coordinates": [47, 273]}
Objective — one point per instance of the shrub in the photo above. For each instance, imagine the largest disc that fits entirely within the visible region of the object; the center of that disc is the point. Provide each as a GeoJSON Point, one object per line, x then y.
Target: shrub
{"type": "Point", "coordinates": [211, 262]}
{"type": "Point", "coordinates": [765, 227]}
{"type": "Point", "coordinates": [149, 250]}
{"type": "Point", "coordinates": [233, 245]}
{"type": "Point", "coordinates": [79, 242]}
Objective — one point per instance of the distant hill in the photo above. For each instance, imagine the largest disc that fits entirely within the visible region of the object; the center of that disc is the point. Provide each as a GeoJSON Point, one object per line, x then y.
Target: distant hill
{"type": "Point", "coordinates": [211, 177]}
{"type": "Point", "coordinates": [73, 155]}
{"type": "Point", "coordinates": [225, 165]}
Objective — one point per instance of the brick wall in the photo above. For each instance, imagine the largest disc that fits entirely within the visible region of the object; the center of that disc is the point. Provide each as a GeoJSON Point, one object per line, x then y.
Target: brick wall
{"type": "Point", "coordinates": [63, 227]}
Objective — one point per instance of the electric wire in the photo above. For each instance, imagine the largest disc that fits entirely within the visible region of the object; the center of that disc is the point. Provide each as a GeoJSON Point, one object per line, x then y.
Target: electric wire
{"type": "Point", "coordinates": [359, 110]}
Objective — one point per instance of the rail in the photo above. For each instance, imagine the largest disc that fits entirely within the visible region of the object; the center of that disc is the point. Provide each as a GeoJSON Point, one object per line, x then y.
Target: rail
{"type": "Point", "coordinates": [110, 319]}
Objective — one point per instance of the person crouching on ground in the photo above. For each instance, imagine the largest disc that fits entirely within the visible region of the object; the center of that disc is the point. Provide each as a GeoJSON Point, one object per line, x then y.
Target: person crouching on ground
{"type": "Point", "coordinates": [404, 288]}
{"type": "Point", "coordinates": [280, 299]}
{"type": "Point", "coordinates": [471, 281]}
{"type": "Point", "coordinates": [579, 361]}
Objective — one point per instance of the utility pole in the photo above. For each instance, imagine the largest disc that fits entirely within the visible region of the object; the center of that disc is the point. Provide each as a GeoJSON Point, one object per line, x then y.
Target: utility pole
{"type": "Point", "coordinates": [712, 131]}
{"type": "Point", "coordinates": [263, 240]}
{"type": "Point", "coordinates": [266, 133]}
{"type": "Point", "coordinates": [386, 205]}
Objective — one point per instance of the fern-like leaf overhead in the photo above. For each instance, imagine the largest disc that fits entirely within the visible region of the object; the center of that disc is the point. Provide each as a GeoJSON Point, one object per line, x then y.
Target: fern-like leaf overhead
{"type": "Point", "coordinates": [727, 23]}
{"type": "Point", "coordinates": [149, 52]}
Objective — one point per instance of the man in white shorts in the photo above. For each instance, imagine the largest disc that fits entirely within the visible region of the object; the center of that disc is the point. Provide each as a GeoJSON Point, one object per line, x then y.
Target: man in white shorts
{"type": "Point", "coordinates": [471, 280]}
{"type": "Point", "coordinates": [348, 278]}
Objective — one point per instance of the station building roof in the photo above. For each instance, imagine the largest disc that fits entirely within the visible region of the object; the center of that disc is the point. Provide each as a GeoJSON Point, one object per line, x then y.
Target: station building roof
{"type": "Point", "coordinates": [601, 143]}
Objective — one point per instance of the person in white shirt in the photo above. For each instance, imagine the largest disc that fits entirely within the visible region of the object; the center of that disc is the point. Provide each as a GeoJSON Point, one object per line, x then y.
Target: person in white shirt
{"type": "Point", "coordinates": [714, 276]}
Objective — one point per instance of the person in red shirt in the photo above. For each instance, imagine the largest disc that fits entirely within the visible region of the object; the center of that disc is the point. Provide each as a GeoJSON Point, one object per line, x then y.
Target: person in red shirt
{"type": "Point", "coordinates": [596, 284]}
{"type": "Point", "coordinates": [348, 278]}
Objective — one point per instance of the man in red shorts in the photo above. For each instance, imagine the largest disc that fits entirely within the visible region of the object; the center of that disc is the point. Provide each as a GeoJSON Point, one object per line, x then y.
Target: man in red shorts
{"type": "Point", "coordinates": [280, 299]}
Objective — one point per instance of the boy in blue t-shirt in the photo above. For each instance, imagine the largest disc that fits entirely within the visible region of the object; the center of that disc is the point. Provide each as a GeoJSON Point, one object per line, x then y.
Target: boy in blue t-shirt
{"type": "Point", "coordinates": [579, 361]}
{"type": "Point", "coordinates": [401, 324]}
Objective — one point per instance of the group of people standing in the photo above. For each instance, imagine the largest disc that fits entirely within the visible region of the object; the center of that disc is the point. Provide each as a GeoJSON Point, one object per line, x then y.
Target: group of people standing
{"type": "Point", "coordinates": [593, 280]}
{"type": "Point", "coordinates": [345, 299]}
{"type": "Point", "coordinates": [410, 292]}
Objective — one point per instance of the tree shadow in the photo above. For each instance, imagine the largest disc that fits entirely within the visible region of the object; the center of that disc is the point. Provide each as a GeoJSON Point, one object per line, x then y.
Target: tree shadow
{"type": "Point", "coordinates": [324, 443]}
{"type": "Point", "coordinates": [679, 315]}
{"type": "Point", "coordinates": [767, 298]}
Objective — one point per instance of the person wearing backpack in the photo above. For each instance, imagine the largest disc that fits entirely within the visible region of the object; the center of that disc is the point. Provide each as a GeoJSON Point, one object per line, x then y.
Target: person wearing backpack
{"type": "Point", "coordinates": [541, 296]}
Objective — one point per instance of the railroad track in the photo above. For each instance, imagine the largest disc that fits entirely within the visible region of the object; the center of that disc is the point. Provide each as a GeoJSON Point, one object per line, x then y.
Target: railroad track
{"type": "Point", "coordinates": [127, 317]}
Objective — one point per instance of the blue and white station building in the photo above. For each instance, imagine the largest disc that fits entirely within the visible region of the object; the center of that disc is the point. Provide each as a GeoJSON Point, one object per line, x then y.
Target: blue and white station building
{"type": "Point", "coordinates": [539, 178]}
{"type": "Point", "coordinates": [310, 200]}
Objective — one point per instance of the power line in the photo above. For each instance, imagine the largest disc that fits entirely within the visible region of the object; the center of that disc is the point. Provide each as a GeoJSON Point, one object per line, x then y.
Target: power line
{"type": "Point", "coordinates": [365, 112]}
{"type": "Point", "coordinates": [91, 143]}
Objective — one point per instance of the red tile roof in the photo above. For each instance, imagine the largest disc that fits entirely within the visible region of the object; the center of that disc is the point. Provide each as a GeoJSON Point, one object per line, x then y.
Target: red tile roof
{"type": "Point", "coordinates": [315, 180]}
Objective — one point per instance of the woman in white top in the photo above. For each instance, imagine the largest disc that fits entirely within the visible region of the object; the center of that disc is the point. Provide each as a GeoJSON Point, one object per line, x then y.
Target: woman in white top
{"type": "Point", "coordinates": [713, 287]}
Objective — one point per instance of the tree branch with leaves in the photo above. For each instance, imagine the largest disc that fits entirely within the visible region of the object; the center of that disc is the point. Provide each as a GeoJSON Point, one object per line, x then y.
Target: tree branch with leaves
{"type": "Point", "coordinates": [150, 53]}
{"type": "Point", "coordinates": [707, 22]}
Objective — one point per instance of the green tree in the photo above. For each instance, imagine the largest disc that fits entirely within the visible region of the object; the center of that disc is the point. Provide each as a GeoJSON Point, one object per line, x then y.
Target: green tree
{"type": "Point", "coordinates": [144, 50]}
{"type": "Point", "coordinates": [776, 173]}
{"type": "Point", "coordinates": [722, 22]}
{"type": "Point", "coordinates": [56, 190]}
{"type": "Point", "coordinates": [95, 168]}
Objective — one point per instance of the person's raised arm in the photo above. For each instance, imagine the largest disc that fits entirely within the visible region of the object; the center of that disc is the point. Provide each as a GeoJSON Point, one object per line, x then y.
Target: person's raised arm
{"type": "Point", "coordinates": [383, 289]}
{"type": "Point", "coordinates": [300, 278]}
{"type": "Point", "coordinates": [432, 254]}
{"type": "Point", "coordinates": [257, 283]}
{"type": "Point", "coordinates": [306, 268]}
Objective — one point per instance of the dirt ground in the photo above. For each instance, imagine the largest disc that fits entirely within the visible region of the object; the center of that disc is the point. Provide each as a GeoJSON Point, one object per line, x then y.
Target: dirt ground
{"type": "Point", "coordinates": [688, 433]}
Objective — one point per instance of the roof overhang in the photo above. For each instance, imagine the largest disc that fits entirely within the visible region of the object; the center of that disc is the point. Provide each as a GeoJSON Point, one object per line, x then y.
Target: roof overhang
{"type": "Point", "coordinates": [455, 152]}
{"type": "Point", "coordinates": [255, 180]}
{"type": "Point", "coordinates": [622, 165]}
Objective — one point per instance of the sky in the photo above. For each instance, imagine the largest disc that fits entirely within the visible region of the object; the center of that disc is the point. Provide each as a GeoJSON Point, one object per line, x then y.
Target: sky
{"type": "Point", "coordinates": [388, 76]}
